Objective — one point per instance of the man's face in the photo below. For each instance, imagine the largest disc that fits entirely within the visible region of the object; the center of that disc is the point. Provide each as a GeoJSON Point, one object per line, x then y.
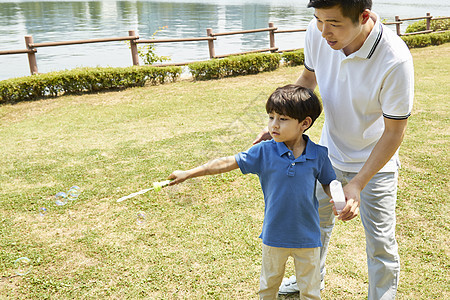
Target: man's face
{"type": "Point", "coordinates": [339, 31]}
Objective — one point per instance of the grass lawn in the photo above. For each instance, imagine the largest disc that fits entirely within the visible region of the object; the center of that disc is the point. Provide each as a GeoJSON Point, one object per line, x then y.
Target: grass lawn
{"type": "Point", "coordinates": [198, 239]}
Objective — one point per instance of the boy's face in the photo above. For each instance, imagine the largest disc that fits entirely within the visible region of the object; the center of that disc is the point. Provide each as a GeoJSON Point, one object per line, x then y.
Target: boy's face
{"type": "Point", "coordinates": [284, 128]}
{"type": "Point", "coordinates": [339, 31]}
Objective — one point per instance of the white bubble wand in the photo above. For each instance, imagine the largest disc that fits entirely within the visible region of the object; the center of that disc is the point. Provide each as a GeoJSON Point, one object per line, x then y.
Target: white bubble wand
{"type": "Point", "coordinates": [337, 193]}
{"type": "Point", "coordinates": [157, 186]}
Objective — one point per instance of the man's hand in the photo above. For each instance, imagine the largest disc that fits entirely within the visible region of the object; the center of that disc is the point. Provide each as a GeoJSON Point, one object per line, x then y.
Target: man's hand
{"type": "Point", "coordinates": [264, 135]}
{"type": "Point", "coordinates": [353, 197]}
{"type": "Point", "coordinates": [394, 131]}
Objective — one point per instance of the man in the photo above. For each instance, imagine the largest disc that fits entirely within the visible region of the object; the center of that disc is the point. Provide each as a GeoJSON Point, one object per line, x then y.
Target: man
{"type": "Point", "coordinates": [365, 77]}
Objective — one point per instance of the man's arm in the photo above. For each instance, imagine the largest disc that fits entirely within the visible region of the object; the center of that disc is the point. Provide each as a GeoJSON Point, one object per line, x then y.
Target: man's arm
{"type": "Point", "coordinates": [216, 166]}
{"type": "Point", "coordinates": [386, 147]}
{"type": "Point", "coordinates": [308, 80]}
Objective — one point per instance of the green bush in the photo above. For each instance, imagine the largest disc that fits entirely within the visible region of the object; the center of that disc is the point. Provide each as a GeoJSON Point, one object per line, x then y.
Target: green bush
{"type": "Point", "coordinates": [424, 40]}
{"type": "Point", "coordinates": [82, 80]}
{"type": "Point", "coordinates": [294, 58]}
{"type": "Point", "coordinates": [235, 65]}
{"type": "Point", "coordinates": [435, 25]}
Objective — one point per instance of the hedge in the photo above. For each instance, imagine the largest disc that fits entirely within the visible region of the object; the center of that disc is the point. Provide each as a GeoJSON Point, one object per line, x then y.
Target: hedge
{"type": "Point", "coordinates": [235, 65]}
{"type": "Point", "coordinates": [294, 58]}
{"type": "Point", "coordinates": [82, 80]}
{"type": "Point", "coordinates": [428, 39]}
{"type": "Point", "coordinates": [435, 25]}
{"type": "Point", "coordinates": [98, 79]}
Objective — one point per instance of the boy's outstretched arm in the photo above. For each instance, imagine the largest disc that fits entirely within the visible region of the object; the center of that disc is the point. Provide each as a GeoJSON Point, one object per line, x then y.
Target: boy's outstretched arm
{"type": "Point", "coordinates": [216, 166]}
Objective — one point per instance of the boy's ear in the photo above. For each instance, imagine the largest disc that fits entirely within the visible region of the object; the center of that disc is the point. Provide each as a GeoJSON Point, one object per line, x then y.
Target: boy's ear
{"type": "Point", "coordinates": [306, 123]}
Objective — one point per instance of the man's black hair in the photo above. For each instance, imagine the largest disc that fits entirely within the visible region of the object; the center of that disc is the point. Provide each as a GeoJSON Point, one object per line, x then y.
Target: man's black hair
{"type": "Point", "coordinates": [350, 8]}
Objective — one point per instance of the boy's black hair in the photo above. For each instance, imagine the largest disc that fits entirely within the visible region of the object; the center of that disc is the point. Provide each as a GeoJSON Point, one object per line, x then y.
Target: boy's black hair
{"type": "Point", "coordinates": [350, 8]}
{"type": "Point", "coordinates": [294, 101]}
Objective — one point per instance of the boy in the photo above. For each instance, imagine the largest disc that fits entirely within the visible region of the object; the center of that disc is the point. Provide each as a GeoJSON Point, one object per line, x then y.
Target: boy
{"type": "Point", "coordinates": [288, 167]}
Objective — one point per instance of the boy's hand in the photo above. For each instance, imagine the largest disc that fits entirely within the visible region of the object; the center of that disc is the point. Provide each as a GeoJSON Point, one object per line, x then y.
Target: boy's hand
{"type": "Point", "coordinates": [334, 208]}
{"type": "Point", "coordinates": [178, 177]}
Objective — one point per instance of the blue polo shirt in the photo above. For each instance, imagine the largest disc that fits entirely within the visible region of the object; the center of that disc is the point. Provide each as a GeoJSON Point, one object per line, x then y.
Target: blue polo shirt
{"type": "Point", "coordinates": [291, 216]}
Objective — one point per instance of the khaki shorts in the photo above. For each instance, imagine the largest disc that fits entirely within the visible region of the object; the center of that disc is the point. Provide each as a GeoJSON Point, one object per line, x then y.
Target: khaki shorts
{"type": "Point", "coordinates": [307, 271]}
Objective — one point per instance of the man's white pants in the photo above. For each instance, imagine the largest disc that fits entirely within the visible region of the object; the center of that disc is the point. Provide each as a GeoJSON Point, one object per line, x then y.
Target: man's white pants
{"type": "Point", "coordinates": [377, 211]}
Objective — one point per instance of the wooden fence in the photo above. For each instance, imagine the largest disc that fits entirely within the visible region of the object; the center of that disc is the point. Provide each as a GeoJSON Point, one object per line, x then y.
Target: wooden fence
{"type": "Point", "coordinates": [428, 29]}
{"type": "Point", "coordinates": [31, 47]}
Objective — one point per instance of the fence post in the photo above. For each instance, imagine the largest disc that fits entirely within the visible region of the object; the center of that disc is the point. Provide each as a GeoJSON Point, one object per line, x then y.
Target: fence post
{"type": "Point", "coordinates": [428, 21]}
{"type": "Point", "coordinates": [31, 55]}
{"type": "Point", "coordinates": [271, 37]}
{"type": "Point", "coordinates": [134, 49]}
{"type": "Point", "coordinates": [209, 33]}
{"type": "Point", "coordinates": [397, 25]}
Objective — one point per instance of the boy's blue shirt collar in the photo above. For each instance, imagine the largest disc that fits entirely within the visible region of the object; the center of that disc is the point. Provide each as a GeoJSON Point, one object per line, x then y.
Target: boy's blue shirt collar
{"type": "Point", "coordinates": [309, 153]}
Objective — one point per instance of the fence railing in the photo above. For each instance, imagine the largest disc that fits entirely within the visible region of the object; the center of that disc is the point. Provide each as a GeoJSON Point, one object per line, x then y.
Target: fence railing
{"type": "Point", "coordinates": [31, 47]}
{"type": "Point", "coordinates": [428, 29]}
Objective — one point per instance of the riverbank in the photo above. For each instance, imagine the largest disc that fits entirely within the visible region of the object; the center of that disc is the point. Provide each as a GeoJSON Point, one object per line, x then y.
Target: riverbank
{"type": "Point", "coordinates": [56, 21]}
{"type": "Point", "coordinates": [198, 239]}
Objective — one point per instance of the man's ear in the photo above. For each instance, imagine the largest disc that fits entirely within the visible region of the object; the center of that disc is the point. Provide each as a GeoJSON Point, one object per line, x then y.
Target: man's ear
{"type": "Point", "coordinates": [365, 16]}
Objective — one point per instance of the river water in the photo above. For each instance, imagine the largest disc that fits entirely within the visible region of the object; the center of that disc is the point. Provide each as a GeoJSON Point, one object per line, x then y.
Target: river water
{"type": "Point", "coordinates": [49, 21]}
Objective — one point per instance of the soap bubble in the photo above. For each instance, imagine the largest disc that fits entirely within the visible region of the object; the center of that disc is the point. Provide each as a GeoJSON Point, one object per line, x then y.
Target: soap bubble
{"type": "Point", "coordinates": [70, 214]}
{"type": "Point", "coordinates": [42, 211]}
{"type": "Point", "coordinates": [22, 266]}
{"type": "Point", "coordinates": [73, 193]}
{"type": "Point", "coordinates": [140, 218]}
{"type": "Point", "coordinates": [61, 198]}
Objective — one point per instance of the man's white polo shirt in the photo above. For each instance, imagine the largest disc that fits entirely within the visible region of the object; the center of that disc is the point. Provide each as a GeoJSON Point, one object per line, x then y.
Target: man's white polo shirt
{"type": "Point", "coordinates": [358, 91]}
